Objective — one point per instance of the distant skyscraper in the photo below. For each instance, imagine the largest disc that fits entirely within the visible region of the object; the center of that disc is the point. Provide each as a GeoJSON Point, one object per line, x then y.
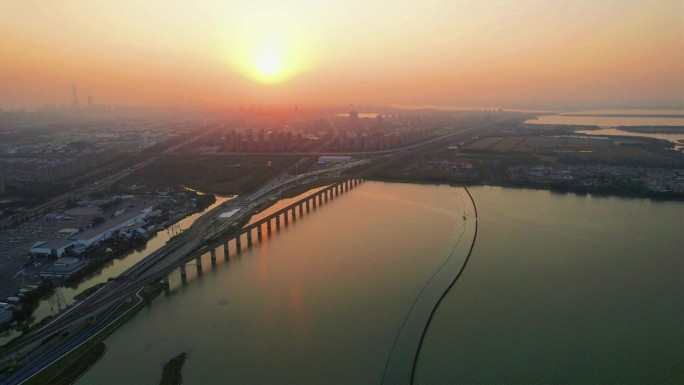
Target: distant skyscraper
{"type": "Point", "coordinates": [74, 97]}
{"type": "Point", "coordinates": [353, 119]}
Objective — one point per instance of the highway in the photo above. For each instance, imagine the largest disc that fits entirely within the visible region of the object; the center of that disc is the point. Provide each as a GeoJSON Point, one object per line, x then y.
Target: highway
{"type": "Point", "coordinates": [109, 180]}
{"type": "Point", "coordinates": [162, 262]}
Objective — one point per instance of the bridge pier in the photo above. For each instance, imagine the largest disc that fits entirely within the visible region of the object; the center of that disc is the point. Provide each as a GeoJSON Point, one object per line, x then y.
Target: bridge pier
{"type": "Point", "coordinates": [268, 227]}
{"type": "Point", "coordinates": [249, 238]}
{"type": "Point", "coordinates": [184, 274]}
{"type": "Point", "coordinates": [314, 201]}
{"type": "Point", "coordinates": [165, 280]}
{"type": "Point", "coordinates": [198, 261]}
{"type": "Point", "coordinates": [320, 198]}
{"type": "Point", "coordinates": [259, 236]}
{"type": "Point", "coordinates": [307, 205]}
{"type": "Point", "coordinates": [212, 253]}
{"type": "Point", "coordinates": [294, 214]}
{"type": "Point", "coordinates": [278, 222]}
{"type": "Point", "coordinates": [286, 214]}
{"type": "Point", "coordinates": [301, 209]}
{"type": "Point", "coordinates": [225, 251]}
{"type": "Point", "coordinates": [238, 247]}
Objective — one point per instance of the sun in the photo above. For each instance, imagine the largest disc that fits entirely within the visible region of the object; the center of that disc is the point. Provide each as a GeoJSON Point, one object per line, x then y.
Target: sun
{"type": "Point", "coordinates": [269, 64]}
{"type": "Point", "coordinates": [268, 47]}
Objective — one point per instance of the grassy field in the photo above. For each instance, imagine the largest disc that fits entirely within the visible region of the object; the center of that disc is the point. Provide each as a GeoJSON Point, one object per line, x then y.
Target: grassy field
{"type": "Point", "coordinates": [78, 367]}
{"type": "Point", "coordinates": [70, 364]}
{"type": "Point", "coordinates": [612, 149]}
{"type": "Point", "coordinates": [226, 175]}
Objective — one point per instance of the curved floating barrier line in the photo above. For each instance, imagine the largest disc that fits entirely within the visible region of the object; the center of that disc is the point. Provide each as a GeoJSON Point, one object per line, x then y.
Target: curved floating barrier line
{"type": "Point", "coordinates": [427, 325]}
{"type": "Point", "coordinates": [401, 363]}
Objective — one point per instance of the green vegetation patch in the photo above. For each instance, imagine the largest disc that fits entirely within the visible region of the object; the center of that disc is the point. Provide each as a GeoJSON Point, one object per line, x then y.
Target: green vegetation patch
{"type": "Point", "coordinates": [80, 366]}
{"type": "Point", "coordinates": [172, 371]}
{"type": "Point", "coordinates": [89, 291]}
{"type": "Point", "coordinates": [222, 174]}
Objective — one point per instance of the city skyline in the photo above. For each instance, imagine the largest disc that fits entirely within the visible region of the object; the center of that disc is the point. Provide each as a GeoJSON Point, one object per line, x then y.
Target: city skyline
{"type": "Point", "coordinates": [523, 54]}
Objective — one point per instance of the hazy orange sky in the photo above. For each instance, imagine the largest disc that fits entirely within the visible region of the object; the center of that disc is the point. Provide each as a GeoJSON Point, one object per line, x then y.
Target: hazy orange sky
{"type": "Point", "coordinates": [525, 54]}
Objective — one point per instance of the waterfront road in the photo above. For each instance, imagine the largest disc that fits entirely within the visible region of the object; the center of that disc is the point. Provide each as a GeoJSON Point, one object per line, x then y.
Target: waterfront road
{"type": "Point", "coordinates": [152, 268]}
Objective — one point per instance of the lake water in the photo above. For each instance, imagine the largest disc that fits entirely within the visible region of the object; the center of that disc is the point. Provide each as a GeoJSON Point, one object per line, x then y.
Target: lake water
{"type": "Point", "coordinates": [321, 301]}
{"type": "Point", "coordinates": [463, 108]}
{"type": "Point", "coordinates": [678, 139]}
{"type": "Point", "coordinates": [609, 124]}
{"type": "Point", "coordinates": [628, 111]}
{"type": "Point", "coordinates": [606, 121]}
{"type": "Point", "coordinates": [560, 288]}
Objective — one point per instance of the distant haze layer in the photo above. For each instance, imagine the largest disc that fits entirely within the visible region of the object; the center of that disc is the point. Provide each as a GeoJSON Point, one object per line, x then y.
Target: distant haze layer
{"type": "Point", "coordinates": [521, 54]}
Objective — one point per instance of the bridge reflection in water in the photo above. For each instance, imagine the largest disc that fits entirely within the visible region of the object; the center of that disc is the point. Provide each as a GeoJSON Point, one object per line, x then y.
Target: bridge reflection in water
{"type": "Point", "coordinates": [271, 222]}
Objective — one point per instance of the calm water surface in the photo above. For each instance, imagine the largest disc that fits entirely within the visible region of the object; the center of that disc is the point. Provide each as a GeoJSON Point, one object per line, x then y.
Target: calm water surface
{"type": "Point", "coordinates": [674, 138]}
{"type": "Point", "coordinates": [564, 289]}
{"type": "Point", "coordinates": [560, 289]}
{"type": "Point", "coordinates": [606, 121]}
{"type": "Point", "coordinates": [321, 301]}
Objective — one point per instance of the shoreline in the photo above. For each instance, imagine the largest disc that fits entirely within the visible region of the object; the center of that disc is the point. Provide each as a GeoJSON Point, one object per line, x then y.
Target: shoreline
{"type": "Point", "coordinates": [558, 189]}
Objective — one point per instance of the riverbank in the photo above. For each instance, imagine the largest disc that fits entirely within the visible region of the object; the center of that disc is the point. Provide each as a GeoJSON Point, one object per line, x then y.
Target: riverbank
{"type": "Point", "coordinates": [74, 371]}
{"type": "Point", "coordinates": [70, 367]}
{"type": "Point", "coordinates": [278, 278]}
{"type": "Point", "coordinates": [634, 192]}
{"type": "Point", "coordinates": [114, 265]}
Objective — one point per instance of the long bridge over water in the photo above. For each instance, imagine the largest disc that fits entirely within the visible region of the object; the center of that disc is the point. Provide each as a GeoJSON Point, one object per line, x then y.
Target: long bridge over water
{"type": "Point", "coordinates": [158, 266]}
{"type": "Point", "coordinates": [265, 225]}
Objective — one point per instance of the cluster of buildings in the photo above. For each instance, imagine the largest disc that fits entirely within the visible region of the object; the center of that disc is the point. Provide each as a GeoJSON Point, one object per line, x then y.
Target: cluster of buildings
{"type": "Point", "coordinates": [654, 179]}
{"type": "Point", "coordinates": [341, 132]}
{"type": "Point", "coordinates": [261, 140]}
{"type": "Point", "coordinates": [9, 303]}
{"type": "Point", "coordinates": [368, 132]}
{"type": "Point", "coordinates": [6, 315]}
{"type": "Point", "coordinates": [131, 222]}
{"type": "Point", "coordinates": [457, 167]}
{"type": "Point", "coordinates": [61, 243]}
{"type": "Point", "coordinates": [22, 170]}
{"type": "Point", "coordinates": [57, 151]}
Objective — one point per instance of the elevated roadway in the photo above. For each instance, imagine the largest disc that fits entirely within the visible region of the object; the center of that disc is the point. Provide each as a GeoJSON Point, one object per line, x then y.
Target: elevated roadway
{"type": "Point", "coordinates": [160, 263]}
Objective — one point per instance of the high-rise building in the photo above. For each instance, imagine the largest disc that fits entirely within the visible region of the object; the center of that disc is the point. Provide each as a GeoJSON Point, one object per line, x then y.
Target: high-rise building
{"type": "Point", "coordinates": [74, 97]}
{"type": "Point", "coordinates": [354, 119]}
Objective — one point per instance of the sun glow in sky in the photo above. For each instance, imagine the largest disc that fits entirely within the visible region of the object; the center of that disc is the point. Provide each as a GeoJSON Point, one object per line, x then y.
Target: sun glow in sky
{"type": "Point", "coordinates": [268, 45]}
{"type": "Point", "coordinates": [510, 53]}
